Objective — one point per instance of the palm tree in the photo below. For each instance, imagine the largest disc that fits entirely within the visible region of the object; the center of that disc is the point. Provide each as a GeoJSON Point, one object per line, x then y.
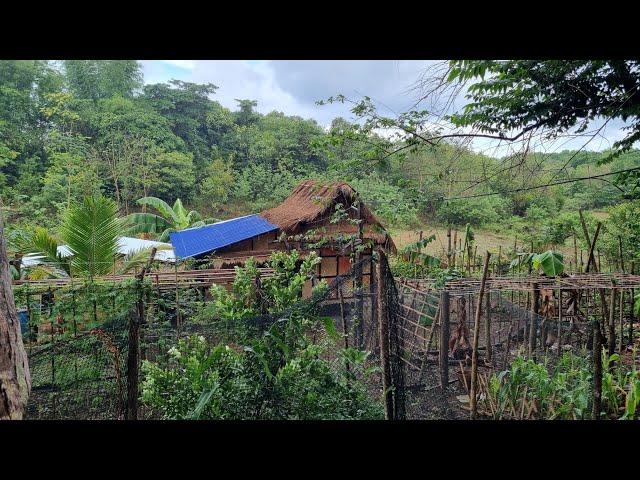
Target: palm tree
{"type": "Point", "coordinates": [91, 231]}
{"type": "Point", "coordinates": [170, 219]}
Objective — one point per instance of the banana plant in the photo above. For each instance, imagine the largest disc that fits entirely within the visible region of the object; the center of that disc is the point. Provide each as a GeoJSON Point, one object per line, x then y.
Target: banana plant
{"type": "Point", "coordinates": [550, 262]}
{"type": "Point", "coordinates": [412, 253]}
{"type": "Point", "coordinates": [168, 219]}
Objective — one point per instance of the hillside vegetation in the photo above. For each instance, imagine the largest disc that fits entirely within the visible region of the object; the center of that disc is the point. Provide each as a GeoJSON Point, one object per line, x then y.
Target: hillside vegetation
{"type": "Point", "coordinates": [75, 128]}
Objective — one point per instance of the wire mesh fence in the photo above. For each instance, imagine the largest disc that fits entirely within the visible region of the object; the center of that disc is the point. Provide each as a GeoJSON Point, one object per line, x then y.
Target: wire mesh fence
{"type": "Point", "coordinates": [79, 338]}
{"type": "Point", "coordinates": [86, 342]}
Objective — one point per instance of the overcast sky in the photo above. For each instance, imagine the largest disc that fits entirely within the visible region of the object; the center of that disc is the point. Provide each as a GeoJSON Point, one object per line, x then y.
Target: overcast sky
{"type": "Point", "coordinates": [293, 87]}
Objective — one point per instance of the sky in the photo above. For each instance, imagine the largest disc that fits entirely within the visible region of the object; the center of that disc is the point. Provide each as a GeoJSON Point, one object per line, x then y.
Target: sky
{"type": "Point", "coordinates": [294, 86]}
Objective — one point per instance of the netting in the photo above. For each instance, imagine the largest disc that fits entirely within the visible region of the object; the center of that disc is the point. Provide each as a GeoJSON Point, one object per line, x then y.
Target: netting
{"type": "Point", "coordinates": [79, 337]}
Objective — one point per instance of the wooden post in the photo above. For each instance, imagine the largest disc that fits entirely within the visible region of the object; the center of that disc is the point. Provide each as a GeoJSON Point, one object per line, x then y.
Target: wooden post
{"type": "Point", "coordinates": [383, 333]}
{"type": "Point", "coordinates": [559, 352]}
{"type": "Point", "coordinates": [359, 328]}
{"type": "Point", "coordinates": [612, 323]}
{"type": "Point", "coordinates": [621, 315]}
{"type": "Point", "coordinates": [448, 247]}
{"type": "Point", "coordinates": [444, 339]}
{"type": "Point", "coordinates": [476, 335]}
{"type": "Point", "coordinates": [535, 295]}
{"type": "Point", "coordinates": [178, 315]}
{"type": "Point", "coordinates": [620, 253]}
{"type": "Point", "coordinates": [575, 250]}
{"type": "Point", "coordinates": [632, 300]}
{"type": "Point", "coordinates": [136, 317]}
{"type": "Point", "coordinates": [487, 328]}
{"type": "Point", "coordinates": [345, 331]}
{"type": "Point", "coordinates": [597, 370]}
{"type": "Point", "coordinates": [455, 246]}
{"type": "Point", "coordinates": [591, 258]}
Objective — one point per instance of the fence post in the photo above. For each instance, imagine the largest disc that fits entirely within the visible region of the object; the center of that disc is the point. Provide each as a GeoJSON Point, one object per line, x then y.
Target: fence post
{"type": "Point", "coordinates": [533, 325]}
{"type": "Point", "coordinates": [597, 369]}
{"type": "Point", "coordinates": [476, 335]}
{"type": "Point", "coordinates": [612, 323]}
{"type": "Point", "coordinates": [444, 339]}
{"type": "Point", "coordinates": [133, 358]}
{"type": "Point", "coordinates": [487, 327]}
{"type": "Point", "coordinates": [383, 332]}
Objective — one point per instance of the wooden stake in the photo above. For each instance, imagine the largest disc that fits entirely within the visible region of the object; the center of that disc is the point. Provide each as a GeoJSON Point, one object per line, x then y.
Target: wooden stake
{"type": "Point", "coordinates": [449, 247]}
{"type": "Point", "coordinates": [476, 335]}
{"type": "Point", "coordinates": [535, 295]}
{"type": "Point", "coordinates": [620, 253]}
{"type": "Point", "coordinates": [621, 314]}
{"type": "Point", "coordinates": [383, 332]}
{"type": "Point", "coordinates": [612, 323]}
{"type": "Point", "coordinates": [487, 328]}
{"type": "Point", "coordinates": [559, 322]}
{"type": "Point", "coordinates": [597, 370]}
{"type": "Point", "coordinates": [444, 339]}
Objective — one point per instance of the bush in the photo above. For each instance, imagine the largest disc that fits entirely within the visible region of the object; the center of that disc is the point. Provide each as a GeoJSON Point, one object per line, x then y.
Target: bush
{"type": "Point", "coordinates": [623, 222]}
{"type": "Point", "coordinates": [276, 374]}
{"type": "Point", "coordinates": [477, 211]}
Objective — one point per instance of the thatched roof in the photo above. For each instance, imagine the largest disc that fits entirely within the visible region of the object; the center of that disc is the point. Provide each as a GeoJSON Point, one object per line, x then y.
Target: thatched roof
{"type": "Point", "coordinates": [312, 203]}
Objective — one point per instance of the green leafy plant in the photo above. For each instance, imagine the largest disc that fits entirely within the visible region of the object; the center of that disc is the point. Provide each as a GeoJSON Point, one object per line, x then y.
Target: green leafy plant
{"type": "Point", "coordinates": [91, 231]}
{"type": "Point", "coordinates": [272, 373]}
{"type": "Point", "coordinates": [550, 262]}
{"type": "Point", "coordinates": [170, 219]}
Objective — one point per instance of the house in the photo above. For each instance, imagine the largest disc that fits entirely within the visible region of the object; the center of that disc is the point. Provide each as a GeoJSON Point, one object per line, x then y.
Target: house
{"type": "Point", "coordinates": [316, 216]}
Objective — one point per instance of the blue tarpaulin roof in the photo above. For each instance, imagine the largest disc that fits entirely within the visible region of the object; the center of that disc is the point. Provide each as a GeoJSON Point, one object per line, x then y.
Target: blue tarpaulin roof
{"type": "Point", "coordinates": [199, 240]}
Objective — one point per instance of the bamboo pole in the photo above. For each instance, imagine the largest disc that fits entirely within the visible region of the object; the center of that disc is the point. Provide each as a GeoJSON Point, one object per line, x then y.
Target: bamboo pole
{"type": "Point", "coordinates": [476, 335]}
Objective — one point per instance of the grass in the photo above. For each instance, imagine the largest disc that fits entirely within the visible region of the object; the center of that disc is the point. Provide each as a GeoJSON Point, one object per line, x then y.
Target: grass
{"type": "Point", "coordinates": [484, 239]}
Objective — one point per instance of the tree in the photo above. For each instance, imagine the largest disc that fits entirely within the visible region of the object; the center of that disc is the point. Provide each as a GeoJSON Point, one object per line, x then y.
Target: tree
{"type": "Point", "coordinates": [95, 79]}
{"type": "Point", "coordinates": [246, 115]}
{"type": "Point", "coordinates": [91, 231]}
{"type": "Point", "coordinates": [217, 185]}
{"type": "Point", "coordinates": [189, 110]}
{"type": "Point", "coordinates": [513, 98]}
{"type": "Point", "coordinates": [15, 379]}
{"type": "Point", "coordinates": [171, 219]}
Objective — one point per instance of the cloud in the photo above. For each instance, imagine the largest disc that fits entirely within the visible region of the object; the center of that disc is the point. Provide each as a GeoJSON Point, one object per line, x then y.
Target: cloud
{"type": "Point", "coordinates": [294, 86]}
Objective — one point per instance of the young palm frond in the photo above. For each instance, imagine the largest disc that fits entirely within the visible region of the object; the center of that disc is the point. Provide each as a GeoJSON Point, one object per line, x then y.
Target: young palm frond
{"type": "Point", "coordinates": [91, 231]}
{"type": "Point", "coordinates": [42, 242]}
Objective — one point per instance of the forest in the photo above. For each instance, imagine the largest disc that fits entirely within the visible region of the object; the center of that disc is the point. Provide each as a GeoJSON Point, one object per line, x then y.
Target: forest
{"type": "Point", "coordinates": [84, 142]}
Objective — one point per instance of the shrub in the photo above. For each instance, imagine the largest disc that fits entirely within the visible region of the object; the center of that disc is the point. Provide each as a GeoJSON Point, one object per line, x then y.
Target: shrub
{"type": "Point", "coordinates": [275, 374]}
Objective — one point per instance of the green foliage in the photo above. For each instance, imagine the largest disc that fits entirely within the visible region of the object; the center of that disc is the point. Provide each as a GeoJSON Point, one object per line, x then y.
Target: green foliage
{"type": "Point", "coordinates": [91, 231]}
{"type": "Point", "coordinates": [171, 219]}
{"type": "Point", "coordinates": [276, 374]}
{"type": "Point", "coordinates": [623, 223]}
{"type": "Point", "coordinates": [550, 262]}
{"type": "Point", "coordinates": [217, 186]}
{"type": "Point", "coordinates": [563, 391]}
{"type": "Point", "coordinates": [477, 212]}
{"type": "Point", "coordinates": [528, 95]}
{"type": "Point", "coordinates": [559, 392]}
